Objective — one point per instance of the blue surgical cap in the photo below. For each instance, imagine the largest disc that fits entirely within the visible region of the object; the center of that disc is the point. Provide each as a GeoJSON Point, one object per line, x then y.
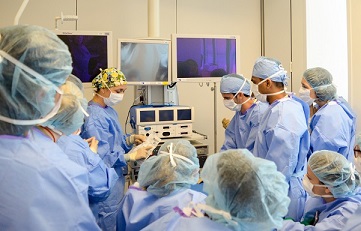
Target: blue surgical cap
{"type": "Point", "coordinates": [249, 188]}
{"type": "Point", "coordinates": [335, 171]}
{"type": "Point", "coordinates": [231, 83]}
{"type": "Point", "coordinates": [266, 67]}
{"type": "Point", "coordinates": [161, 178]}
{"type": "Point", "coordinates": [24, 96]}
{"type": "Point", "coordinates": [320, 80]}
{"type": "Point", "coordinates": [70, 116]}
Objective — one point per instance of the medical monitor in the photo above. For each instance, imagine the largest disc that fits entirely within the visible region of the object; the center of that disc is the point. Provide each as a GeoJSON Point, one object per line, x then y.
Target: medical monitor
{"type": "Point", "coordinates": [90, 51]}
{"type": "Point", "coordinates": [204, 58]}
{"type": "Point", "coordinates": [145, 61]}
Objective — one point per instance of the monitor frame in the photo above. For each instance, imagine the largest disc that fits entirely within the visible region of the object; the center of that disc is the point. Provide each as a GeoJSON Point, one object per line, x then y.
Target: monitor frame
{"type": "Point", "coordinates": [109, 36]}
{"type": "Point", "coordinates": [200, 79]}
{"type": "Point", "coordinates": [146, 41]}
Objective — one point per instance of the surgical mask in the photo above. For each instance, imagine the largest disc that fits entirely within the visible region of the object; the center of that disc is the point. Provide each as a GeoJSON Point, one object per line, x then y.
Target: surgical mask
{"type": "Point", "coordinates": [358, 164]}
{"type": "Point", "coordinates": [40, 77]}
{"type": "Point", "coordinates": [305, 95]}
{"type": "Point", "coordinates": [263, 97]}
{"type": "Point", "coordinates": [308, 186]}
{"type": "Point", "coordinates": [233, 106]}
{"type": "Point", "coordinates": [114, 98]}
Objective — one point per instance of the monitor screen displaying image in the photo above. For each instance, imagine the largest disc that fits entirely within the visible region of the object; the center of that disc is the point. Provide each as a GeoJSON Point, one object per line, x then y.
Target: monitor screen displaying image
{"type": "Point", "coordinates": [145, 61]}
{"type": "Point", "coordinates": [204, 58]}
{"type": "Point", "coordinates": [90, 51]}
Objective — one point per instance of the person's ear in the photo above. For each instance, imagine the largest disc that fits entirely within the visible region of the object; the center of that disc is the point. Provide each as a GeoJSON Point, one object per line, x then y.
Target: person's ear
{"type": "Point", "coordinates": [328, 191]}
{"type": "Point", "coordinates": [268, 83]}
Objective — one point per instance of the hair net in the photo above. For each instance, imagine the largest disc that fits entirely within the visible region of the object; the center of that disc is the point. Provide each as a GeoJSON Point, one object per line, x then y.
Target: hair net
{"type": "Point", "coordinates": [70, 116]}
{"type": "Point", "coordinates": [232, 83]}
{"type": "Point", "coordinates": [110, 77]}
{"type": "Point", "coordinates": [249, 188]}
{"type": "Point", "coordinates": [266, 67]}
{"type": "Point", "coordinates": [28, 83]}
{"type": "Point", "coordinates": [159, 175]}
{"type": "Point", "coordinates": [321, 81]}
{"type": "Point", "coordinates": [333, 169]}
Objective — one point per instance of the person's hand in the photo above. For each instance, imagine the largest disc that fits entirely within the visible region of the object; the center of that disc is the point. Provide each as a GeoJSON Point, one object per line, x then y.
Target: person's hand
{"type": "Point", "coordinates": [225, 122]}
{"type": "Point", "coordinates": [93, 144]}
{"type": "Point", "coordinates": [137, 139]}
{"type": "Point", "coordinates": [141, 153]}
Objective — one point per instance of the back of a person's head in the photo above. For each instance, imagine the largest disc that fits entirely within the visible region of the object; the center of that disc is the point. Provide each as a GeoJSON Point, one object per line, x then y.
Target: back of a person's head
{"type": "Point", "coordinates": [34, 62]}
{"type": "Point", "coordinates": [71, 113]}
{"type": "Point", "coordinates": [249, 188]}
{"type": "Point", "coordinates": [175, 167]}
{"type": "Point", "coordinates": [335, 171]}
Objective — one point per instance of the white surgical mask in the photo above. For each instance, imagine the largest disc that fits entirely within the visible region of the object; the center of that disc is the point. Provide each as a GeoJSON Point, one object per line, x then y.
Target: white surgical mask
{"type": "Point", "coordinates": [308, 186]}
{"type": "Point", "coordinates": [233, 106]}
{"type": "Point", "coordinates": [358, 164]}
{"type": "Point", "coordinates": [263, 97]}
{"type": "Point", "coordinates": [304, 94]}
{"type": "Point", "coordinates": [114, 98]}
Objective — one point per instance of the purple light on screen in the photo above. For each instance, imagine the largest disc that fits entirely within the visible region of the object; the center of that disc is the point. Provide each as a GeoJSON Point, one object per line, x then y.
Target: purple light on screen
{"type": "Point", "coordinates": [205, 57]}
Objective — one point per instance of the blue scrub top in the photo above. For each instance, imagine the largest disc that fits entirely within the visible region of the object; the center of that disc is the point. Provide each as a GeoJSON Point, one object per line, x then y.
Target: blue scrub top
{"type": "Point", "coordinates": [242, 130]}
{"type": "Point", "coordinates": [101, 177]}
{"type": "Point", "coordinates": [103, 124]}
{"type": "Point", "coordinates": [37, 193]}
{"type": "Point", "coordinates": [284, 139]}
{"type": "Point", "coordinates": [333, 128]}
{"type": "Point", "coordinates": [332, 216]}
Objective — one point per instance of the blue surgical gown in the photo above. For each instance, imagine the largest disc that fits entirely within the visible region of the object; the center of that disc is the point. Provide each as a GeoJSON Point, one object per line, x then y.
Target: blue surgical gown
{"type": "Point", "coordinates": [242, 130]}
{"type": "Point", "coordinates": [103, 124]}
{"type": "Point", "coordinates": [101, 177]}
{"type": "Point", "coordinates": [140, 208]}
{"type": "Point", "coordinates": [333, 128]}
{"type": "Point", "coordinates": [174, 221]}
{"type": "Point", "coordinates": [332, 215]}
{"type": "Point", "coordinates": [37, 193]}
{"type": "Point", "coordinates": [284, 139]}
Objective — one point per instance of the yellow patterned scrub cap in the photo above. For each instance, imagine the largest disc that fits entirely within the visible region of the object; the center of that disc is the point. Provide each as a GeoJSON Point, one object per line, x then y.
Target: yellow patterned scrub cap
{"type": "Point", "coordinates": [110, 77]}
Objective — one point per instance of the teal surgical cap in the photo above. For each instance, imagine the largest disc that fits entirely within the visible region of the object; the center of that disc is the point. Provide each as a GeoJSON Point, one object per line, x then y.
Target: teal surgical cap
{"type": "Point", "coordinates": [266, 67]}
{"type": "Point", "coordinates": [27, 53]}
{"type": "Point", "coordinates": [320, 80]}
{"type": "Point", "coordinates": [232, 83]}
{"type": "Point", "coordinates": [335, 171]}
{"type": "Point", "coordinates": [175, 167]}
{"type": "Point", "coordinates": [249, 188]}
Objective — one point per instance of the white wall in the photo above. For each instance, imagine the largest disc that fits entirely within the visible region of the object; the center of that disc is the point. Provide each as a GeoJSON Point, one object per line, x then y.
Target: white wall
{"type": "Point", "coordinates": [327, 40]}
{"type": "Point", "coordinates": [354, 55]}
{"type": "Point", "coordinates": [129, 19]}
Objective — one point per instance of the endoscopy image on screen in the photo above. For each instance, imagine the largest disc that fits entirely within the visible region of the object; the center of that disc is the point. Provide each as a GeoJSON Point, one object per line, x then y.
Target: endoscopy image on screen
{"type": "Point", "coordinates": [205, 57]}
{"type": "Point", "coordinates": [144, 62]}
{"type": "Point", "coordinates": [89, 53]}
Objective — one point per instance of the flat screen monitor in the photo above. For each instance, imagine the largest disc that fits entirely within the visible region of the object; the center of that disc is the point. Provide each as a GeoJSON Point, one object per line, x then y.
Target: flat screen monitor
{"type": "Point", "coordinates": [145, 61]}
{"type": "Point", "coordinates": [90, 51]}
{"type": "Point", "coordinates": [204, 58]}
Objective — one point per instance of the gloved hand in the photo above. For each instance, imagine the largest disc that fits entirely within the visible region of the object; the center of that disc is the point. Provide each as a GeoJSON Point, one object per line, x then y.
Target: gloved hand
{"type": "Point", "coordinates": [225, 122]}
{"type": "Point", "coordinates": [141, 153]}
{"type": "Point", "coordinates": [93, 144]}
{"type": "Point", "coordinates": [136, 139]}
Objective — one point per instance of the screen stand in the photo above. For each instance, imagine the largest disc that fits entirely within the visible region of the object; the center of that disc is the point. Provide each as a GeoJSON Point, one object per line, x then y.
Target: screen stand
{"type": "Point", "coordinates": [158, 95]}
